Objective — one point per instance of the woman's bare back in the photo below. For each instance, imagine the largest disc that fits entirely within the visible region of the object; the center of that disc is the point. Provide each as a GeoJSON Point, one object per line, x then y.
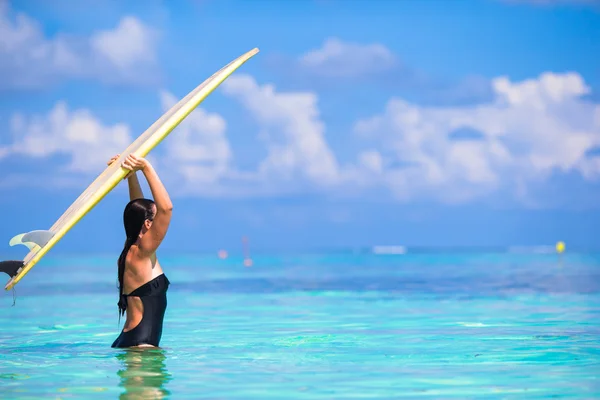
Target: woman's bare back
{"type": "Point", "coordinates": [139, 269]}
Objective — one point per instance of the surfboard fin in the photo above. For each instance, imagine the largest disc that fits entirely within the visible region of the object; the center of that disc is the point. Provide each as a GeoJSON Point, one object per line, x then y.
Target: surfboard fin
{"type": "Point", "coordinates": [34, 240]}
{"type": "Point", "coordinates": [19, 240]}
{"type": "Point", "coordinates": [11, 268]}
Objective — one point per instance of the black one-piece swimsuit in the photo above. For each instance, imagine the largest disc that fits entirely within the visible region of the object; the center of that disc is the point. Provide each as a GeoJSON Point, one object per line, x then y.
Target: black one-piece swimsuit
{"type": "Point", "coordinates": [149, 331]}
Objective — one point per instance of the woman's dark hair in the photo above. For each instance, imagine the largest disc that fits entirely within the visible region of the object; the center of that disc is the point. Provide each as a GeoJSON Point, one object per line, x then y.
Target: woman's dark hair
{"type": "Point", "coordinates": [136, 213]}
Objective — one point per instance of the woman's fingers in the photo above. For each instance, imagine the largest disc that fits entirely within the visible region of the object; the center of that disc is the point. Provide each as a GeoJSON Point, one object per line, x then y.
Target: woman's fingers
{"type": "Point", "coordinates": [129, 161]}
{"type": "Point", "coordinates": [133, 162]}
{"type": "Point", "coordinates": [113, 159]}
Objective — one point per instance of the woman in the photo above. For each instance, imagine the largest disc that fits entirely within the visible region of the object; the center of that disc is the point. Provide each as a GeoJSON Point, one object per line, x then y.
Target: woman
{"type": "Point", "coordinates": [142, 283]}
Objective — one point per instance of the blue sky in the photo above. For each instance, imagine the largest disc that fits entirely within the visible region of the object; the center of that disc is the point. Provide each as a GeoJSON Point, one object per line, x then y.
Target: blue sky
{"type": "Point", "coordinates": [458, 123]}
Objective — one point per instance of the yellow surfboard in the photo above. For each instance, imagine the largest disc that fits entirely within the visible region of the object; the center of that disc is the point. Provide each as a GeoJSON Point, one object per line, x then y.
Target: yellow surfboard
{"type": "Point", "coordinates": [40, 242]}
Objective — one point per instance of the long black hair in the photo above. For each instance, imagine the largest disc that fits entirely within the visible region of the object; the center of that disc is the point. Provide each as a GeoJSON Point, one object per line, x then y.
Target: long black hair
{"type": "Point", "coordinates": [136, 213]}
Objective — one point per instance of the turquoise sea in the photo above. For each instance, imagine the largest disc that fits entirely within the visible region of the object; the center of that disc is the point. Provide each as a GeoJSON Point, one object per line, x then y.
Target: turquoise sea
{"type": "Point", "coordinates": [330, 325]}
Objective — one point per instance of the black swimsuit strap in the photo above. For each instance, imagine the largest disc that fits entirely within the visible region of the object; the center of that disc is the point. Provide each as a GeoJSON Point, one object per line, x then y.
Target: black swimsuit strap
{"type": "Point", "coordinates": [158, 284]}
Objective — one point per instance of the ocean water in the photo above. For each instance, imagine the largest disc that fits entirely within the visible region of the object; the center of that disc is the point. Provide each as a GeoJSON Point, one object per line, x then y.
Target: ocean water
{"type": "Point", "coordinates": [314, 326]}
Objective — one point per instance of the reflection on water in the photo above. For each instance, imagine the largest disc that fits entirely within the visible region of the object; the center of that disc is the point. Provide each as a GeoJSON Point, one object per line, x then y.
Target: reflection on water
{"type": "Point", "coordinates": [144, 373]}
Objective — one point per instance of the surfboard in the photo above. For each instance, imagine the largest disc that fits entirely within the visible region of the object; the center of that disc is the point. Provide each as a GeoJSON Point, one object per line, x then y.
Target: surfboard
{"type": "Point", "coordinates": [40, 242]}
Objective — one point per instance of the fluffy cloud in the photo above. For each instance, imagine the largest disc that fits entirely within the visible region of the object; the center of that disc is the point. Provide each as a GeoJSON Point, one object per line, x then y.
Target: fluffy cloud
{"type": "Point", "coordinates": [78, 134]}
{"type": "Point", "coordinates": [343, 59]}
{"type": "Point", "coordinates": [29, 59]}
{"type": "Point", "coordinates": [530, 130]}
{"type": "Point", "coordinates": [293, 132]}
{"type": "Point", "coordinates": [337, 61]}
{"type": "Point", "coordinates": [197, 157]}
{"type": "Point", "coordinates": [125, 46]}
{"type": "Point", "coordinates": [199, 150]}
{"type": "Point", "coordinates": [298, 155]}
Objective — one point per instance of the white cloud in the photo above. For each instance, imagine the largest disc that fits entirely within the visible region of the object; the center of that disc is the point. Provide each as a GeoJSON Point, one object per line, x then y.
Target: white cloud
{"type": "Point", "coordinates": [128, 44]}
{"type": "Point", "coordinates": [371, 160]}
{"type": "Point", "coordinates": [199, 150]}
{"type": "Point", "coordinates": [294, 133]}
{"type": "Point", "coordinates": [375, 64]}
{"type": "Point", "coordinates": [78, 134]}
{"type": "Point", "coordinates": [530, 129]}
{"type": "Point", "coordinates": [196, 158]}
{"type": "Point", "coordinates": [345, 59]}
{"type": "Point", "coordinates": [29, 59]}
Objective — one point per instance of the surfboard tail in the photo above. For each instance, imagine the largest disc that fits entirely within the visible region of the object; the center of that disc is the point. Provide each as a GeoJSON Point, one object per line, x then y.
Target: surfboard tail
{"type": "Point", "coordinates": [34, 241]}
{"type": "Point", "coordinates": [11, 267]}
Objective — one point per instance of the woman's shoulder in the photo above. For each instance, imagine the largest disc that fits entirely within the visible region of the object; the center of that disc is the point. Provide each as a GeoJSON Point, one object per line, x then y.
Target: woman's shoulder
{"type": "Point", "coordinates": [137, 252]}
{"type": "Point", "coordinates": [137, 256]}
